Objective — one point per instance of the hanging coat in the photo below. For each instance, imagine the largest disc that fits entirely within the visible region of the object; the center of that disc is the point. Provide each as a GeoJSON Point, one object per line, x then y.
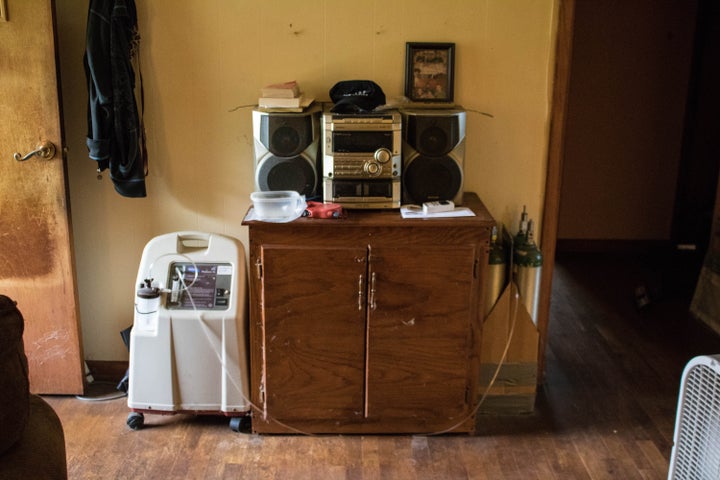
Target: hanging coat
{"type": "Point", "coordinates": [116, 138]}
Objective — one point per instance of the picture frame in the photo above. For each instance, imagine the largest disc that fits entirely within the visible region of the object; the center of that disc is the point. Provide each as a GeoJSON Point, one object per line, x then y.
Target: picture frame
{"type": "Point", "coordinates": [429, 72]}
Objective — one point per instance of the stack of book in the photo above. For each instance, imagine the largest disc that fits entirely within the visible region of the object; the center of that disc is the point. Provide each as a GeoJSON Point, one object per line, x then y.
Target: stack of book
{"type": "Point", "coordinates": [283, 97]}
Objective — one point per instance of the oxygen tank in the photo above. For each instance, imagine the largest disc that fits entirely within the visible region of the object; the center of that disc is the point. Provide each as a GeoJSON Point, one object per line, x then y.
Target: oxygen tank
{"type": "Point", "coordinates": [497, 271]}
{"type": "Point", "coordinates": [528, 267]}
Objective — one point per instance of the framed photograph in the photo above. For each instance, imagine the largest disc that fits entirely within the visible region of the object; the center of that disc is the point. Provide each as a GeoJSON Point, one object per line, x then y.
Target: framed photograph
{"type": "Point", "coordinates": [429, 69]}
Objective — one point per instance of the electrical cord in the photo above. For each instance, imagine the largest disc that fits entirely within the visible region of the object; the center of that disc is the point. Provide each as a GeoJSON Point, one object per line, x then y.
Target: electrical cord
{"type": "Point", "coordinates": [90, 381]}
{"type": "Point", "coordinates": [512, 319]}
{"type": "Point", "coordinates": [208, 335]}
{"type": "Point", "coordinates": [491, 383]}
{"type": "Point", "coordinates": [186, 290]}
{"type": "Point", "coordinates": [103, 397]}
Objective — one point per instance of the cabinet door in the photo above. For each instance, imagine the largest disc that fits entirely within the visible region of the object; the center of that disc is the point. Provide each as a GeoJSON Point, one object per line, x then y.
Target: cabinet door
{"type": "Point", "coordinates": [420, 335]}
{"type": "Point", "coordinates": [313, 330]}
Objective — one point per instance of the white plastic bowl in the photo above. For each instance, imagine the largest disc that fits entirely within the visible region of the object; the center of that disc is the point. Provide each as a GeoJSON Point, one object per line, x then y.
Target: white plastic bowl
{"type": "Point", "coordinates": [282, 205]}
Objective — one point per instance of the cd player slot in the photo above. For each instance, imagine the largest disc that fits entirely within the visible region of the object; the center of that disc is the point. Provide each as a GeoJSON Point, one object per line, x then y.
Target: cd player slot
{"type": "Point", "coordinates": [354, 189]}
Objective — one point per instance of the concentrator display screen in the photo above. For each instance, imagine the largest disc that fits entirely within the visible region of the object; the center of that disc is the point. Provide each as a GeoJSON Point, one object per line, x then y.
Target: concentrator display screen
{"type": "Point", "coordinates": [199, 286]}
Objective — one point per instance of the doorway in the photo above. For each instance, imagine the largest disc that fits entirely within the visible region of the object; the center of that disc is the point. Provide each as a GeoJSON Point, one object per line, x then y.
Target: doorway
{"type": "Point", "coordinates": [639, 169]}
{"type": "Point", "coordinates": [631, 68]}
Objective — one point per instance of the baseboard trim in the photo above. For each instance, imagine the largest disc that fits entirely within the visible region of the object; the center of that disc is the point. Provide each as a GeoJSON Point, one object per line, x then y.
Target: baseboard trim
{"type": "Point", "coordinates": [107, 370]}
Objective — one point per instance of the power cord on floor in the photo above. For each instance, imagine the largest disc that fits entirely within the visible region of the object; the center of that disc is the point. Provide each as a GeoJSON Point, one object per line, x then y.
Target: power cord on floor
{"type": "Point", "coordinates": [102, 396]}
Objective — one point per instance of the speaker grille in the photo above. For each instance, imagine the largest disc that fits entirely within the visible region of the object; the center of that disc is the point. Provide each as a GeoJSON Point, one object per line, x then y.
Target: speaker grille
{"type": "Point", "coordinates": [279, 173]}
{"type": "Point", "coordinates": [433, 135]}
{"type": "Point", "coordinates": [285, 135]}
{"type": "Point", "coordinates": [434, 142]}
{"type": "Point", "coordinates": [286, 142]}
{"type": "Point", "coordinates": [432, 178]}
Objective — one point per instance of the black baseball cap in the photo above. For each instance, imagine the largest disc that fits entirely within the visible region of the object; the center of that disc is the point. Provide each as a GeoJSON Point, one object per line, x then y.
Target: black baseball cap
{"type": "Point", "coordinates": [356, 96]}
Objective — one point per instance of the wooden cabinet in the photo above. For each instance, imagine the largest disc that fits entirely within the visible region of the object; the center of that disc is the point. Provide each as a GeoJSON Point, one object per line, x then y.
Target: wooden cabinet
{"type": "Point", "coordinates": [367, 324]}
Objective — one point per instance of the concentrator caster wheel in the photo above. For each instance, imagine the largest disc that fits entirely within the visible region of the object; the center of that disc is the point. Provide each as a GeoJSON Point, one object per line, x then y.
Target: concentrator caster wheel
{"type": "Point", "coordinates": [135, 420]}
{"type": "Point", "coordinates": [239, 424]}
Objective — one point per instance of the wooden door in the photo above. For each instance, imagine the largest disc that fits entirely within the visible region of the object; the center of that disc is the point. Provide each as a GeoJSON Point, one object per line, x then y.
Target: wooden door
{"type": "Point", "coordinates": [313, 321]}
{"type": "Point", "coordinates": [36, 263]}
{"type": "Point", "coordinates": [420, 335]}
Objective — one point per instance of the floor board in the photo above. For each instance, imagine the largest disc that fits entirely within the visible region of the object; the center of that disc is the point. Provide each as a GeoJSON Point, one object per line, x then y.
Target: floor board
{"type": "Point", "coordinates": [606, 409]}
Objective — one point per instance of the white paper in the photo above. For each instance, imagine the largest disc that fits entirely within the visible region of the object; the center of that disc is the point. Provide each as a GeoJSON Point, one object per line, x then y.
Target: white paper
{"type": "Point", "coordinates": [416, 211]}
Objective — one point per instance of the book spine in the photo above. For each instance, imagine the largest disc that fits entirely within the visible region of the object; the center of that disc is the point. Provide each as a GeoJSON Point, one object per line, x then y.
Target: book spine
{"type": "Point", "coordinates": [279, 93]}
{"type": "Point", "coordinates": [279, 102]}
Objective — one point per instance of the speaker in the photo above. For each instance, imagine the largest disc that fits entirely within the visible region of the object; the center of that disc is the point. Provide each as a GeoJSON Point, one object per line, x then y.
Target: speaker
{"type": "Point", "coordinates": [433, 154]}
{"type": "Point", "coordinates": [287, 151]}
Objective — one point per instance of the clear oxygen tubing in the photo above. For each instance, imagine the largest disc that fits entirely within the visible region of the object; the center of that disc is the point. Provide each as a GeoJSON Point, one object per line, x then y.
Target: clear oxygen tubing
{"type": "Point", "coordinates": [209, 334]}
{"type": "Point", "coordinates": [182, 256]}
{"type": "Point", "coordinates": [147, 303]}
{"type": "Point", "coordinates": [209, 337]}
{"type": "Point", "coordinates": [512, 320]}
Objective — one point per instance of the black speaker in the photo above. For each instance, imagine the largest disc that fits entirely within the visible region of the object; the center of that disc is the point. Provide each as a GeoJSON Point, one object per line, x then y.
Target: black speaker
{"type": "Point", "coordinates": [433, 153]}
{"type": "Point", "coordinates": [286, 151]}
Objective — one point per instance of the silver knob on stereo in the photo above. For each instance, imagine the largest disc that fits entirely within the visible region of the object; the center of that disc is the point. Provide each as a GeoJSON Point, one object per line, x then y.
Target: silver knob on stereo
{"type": "Point", "coordinates": [383, 155]}
{"type": "Point", "coordinates": [372, 169]}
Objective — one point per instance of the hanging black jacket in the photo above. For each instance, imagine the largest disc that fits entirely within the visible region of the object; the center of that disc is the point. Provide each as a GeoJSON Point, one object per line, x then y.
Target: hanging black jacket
{"type": "Point", "coordinates": [115, 133]}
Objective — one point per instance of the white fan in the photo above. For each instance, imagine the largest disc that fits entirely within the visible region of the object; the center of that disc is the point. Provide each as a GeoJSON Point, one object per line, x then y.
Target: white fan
{"type": "Point", "coordinates": [696, 449]}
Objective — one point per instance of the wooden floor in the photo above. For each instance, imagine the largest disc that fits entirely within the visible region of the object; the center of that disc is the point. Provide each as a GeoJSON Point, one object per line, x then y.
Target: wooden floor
{"type": "Point", "coordinates": [606, 409]}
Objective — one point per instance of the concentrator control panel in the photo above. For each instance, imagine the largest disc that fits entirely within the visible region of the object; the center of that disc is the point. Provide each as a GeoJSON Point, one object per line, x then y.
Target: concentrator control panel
{"type": "Point", "coordinates": [199, 286]}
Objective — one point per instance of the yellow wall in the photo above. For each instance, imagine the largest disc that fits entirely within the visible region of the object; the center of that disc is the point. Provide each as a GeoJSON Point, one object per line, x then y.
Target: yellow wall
{"type": "Point", "coordinates": [201, 60]}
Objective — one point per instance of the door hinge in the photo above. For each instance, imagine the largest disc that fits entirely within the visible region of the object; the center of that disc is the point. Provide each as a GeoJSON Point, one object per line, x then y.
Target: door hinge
{"type": "Point", "coordinates": [259, 269]}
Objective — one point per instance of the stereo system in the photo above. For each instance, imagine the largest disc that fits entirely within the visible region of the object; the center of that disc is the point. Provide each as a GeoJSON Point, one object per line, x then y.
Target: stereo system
{"type": "Point", "coordinates": [374, 160]}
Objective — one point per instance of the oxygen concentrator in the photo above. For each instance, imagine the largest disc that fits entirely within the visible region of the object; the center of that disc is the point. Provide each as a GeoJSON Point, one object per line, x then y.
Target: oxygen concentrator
{"type": "Point", "coordinates": [188, 350]}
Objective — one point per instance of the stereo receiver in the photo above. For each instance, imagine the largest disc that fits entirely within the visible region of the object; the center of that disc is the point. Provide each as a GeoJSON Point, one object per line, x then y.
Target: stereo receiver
{"type": "Point", "coordinates": [362, 159]}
